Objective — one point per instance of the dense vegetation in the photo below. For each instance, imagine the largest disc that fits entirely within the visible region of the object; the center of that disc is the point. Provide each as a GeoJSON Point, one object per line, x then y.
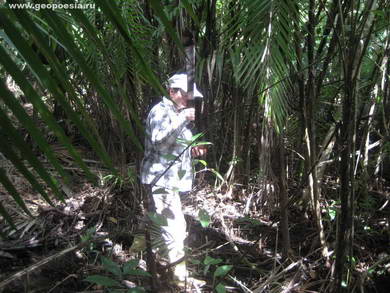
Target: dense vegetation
{"type": "Point", "coordinates": [296, 106]}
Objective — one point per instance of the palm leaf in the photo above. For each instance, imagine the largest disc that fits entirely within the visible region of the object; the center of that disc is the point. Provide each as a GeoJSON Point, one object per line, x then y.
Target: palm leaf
{"type": "Point", "coordinates": [35, 133]}
{"type": "Point", "coordinates": [99, 149]}
{"type": "Point", "coordinates": [66, 38]}
{"type": "Point", "coordinates": [38, 104]}
{"type": "Point", "coordinates": [112, 12]}
{"type": "Point", "coordinates": [48, 30]}
{"type": "Point", "coordinates": [5, 214]}
{"type": "Point", "coordinates": [93, 34]}
{"type": "Point", "coordinates": [267, 57]}
{"type": "Point", "coordinates": [51, 84]}
{"type": "Point", "coordinates": [13, 192]}
{"type": "Point", "coordinates": [17, 141]}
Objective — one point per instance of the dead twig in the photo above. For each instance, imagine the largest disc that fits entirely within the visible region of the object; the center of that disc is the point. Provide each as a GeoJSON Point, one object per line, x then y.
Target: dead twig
{"type": "Point", "coordinates": [60, 282]}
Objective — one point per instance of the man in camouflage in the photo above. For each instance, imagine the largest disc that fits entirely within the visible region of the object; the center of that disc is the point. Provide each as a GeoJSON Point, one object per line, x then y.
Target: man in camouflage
{"type": "Point", "coordinates": [167, 166]}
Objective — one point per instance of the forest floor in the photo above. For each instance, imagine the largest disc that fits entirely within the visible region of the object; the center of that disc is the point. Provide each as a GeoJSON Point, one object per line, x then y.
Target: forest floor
{"type": "Point", "coordinates": [234, 243]}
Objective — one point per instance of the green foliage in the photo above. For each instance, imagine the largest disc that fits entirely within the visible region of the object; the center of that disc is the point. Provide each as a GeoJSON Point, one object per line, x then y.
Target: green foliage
{"type": "Point", "coordinates": [220, 288]}
{"type": "Point", "coordinates": [88, 235]}
{"type": "Point", "coordinates": [158, 219]}
{"type": "Point", "coordinates": [130, 268]}
{"type": "Point", "coordinates": [117, 273]}
{"type": "Point", "coordinates": [169, 157]}
{"type": "Point", "coordinates": [193, 141]}
{"type": "Point", "coordinates": [119, 181]}
{"type": "Point", "coordinates": [103, 281]}
{"type": "Point", "coordinates": [208, 260]}
{"type": "Point", "coordinates": [249, 222]}
{"type": "Point", "coordinates": [69, 79]}
{"type": "Point", "coordinates": [161, 190]}
{"type": "Point", "coordinates": [217, 174]}
{"type": "Point", "coordinates": [220, 272]}
{"type": "Point", "coordinates": [249, 57]}
{"type": "Point", "coordinates": [204, 218]}
{"type": "Point", "coordinates": [332, 208]}
{"type": "Point", "coordinates": [181, 173]}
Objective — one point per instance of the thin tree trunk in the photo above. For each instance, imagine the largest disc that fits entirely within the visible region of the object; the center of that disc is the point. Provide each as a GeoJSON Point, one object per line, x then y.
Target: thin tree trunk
{"type": "Point", "coordinates": [310, 130]}
{"type": "Point", "coordinates": [279, 170]}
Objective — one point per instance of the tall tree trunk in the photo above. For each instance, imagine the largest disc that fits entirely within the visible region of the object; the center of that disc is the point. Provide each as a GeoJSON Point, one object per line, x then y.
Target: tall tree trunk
{"type": "Point", "coordinates": [310, 129]}
{"type": "Point", "coordinates": [353, 46]}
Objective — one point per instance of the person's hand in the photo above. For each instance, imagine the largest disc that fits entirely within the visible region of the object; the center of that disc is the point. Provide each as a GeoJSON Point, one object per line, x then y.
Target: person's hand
{"type": "Point", "coordinates": [189, 113]}
{"type": "Point", "coordinates": [198, 151]}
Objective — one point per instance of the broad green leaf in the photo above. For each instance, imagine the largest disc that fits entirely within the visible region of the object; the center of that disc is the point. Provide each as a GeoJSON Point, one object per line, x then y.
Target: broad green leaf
{"type": "Point", "coordinates": [204, 218]}
{"type": "Point", "coordinates": [169, 157]}
{"type": "Point", "coordinates": [130, 265]}
{"type": "Point", "coordinates": [157, 219]}
{"type": "Point", "coordinates": [192, 141]}
{"type": "Point", "coordinates": [222, 271]}
{"type": "Point", "coordinates": [111, 266]}
{"type": "Point", "coordinates": [220, 288]}
{"type": "Point", "coordinates": [181, 173]}
{"type": "Point", "coordinates": [197, 136]}
{"type": "Point", "coordinates": [103, 281]}
{"type": "Point", "coordinates": [184, 142]}
{"type": "Point", "coordinates": [211, 261]}
{"type": "Point", "coordinates": [161, 190]}
{"type": "Point", "coordinates": [332, 212]}
{"type": "Point", "coordinates": [195, 261]}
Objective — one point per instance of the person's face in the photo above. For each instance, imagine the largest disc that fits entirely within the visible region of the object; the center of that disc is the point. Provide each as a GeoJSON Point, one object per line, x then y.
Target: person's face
{"type": "Point", "coordinates": [179, 96]}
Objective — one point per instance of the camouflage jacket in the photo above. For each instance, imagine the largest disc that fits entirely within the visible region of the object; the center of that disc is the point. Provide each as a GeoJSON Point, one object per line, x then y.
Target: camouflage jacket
{"type": "Point", "coordinates": [166, 129]}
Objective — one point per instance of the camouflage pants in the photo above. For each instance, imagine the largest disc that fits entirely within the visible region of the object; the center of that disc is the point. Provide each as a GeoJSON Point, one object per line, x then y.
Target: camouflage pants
{"type": "Point", "coordinates": [167, 206]}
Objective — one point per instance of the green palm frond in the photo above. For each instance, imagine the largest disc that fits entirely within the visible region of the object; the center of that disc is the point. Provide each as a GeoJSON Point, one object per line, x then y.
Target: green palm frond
{"type": "Point", "coordinates": [112, 12]}
{"type": "Point", "coordinates": [86, 51]}
{"type": "Point", "coordinates": [9, 133]}
{"type": "Point", "coordinates": [267, 53]}
{"type": "Point", "coordinates": [50, 83]}
{"type": "Point", "coordinates": [259, 36]}
{"type": "Point", "coordinates": [15, 195]}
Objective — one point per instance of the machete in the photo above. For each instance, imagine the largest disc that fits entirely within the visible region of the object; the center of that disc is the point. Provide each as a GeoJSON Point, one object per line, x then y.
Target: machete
{"type": "Point", "coordinates": [189, 47]}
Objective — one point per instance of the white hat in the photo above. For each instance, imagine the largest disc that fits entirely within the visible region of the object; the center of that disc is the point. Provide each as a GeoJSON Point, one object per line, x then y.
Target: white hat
{"type": "Point", "coordinates": [180, 81]}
